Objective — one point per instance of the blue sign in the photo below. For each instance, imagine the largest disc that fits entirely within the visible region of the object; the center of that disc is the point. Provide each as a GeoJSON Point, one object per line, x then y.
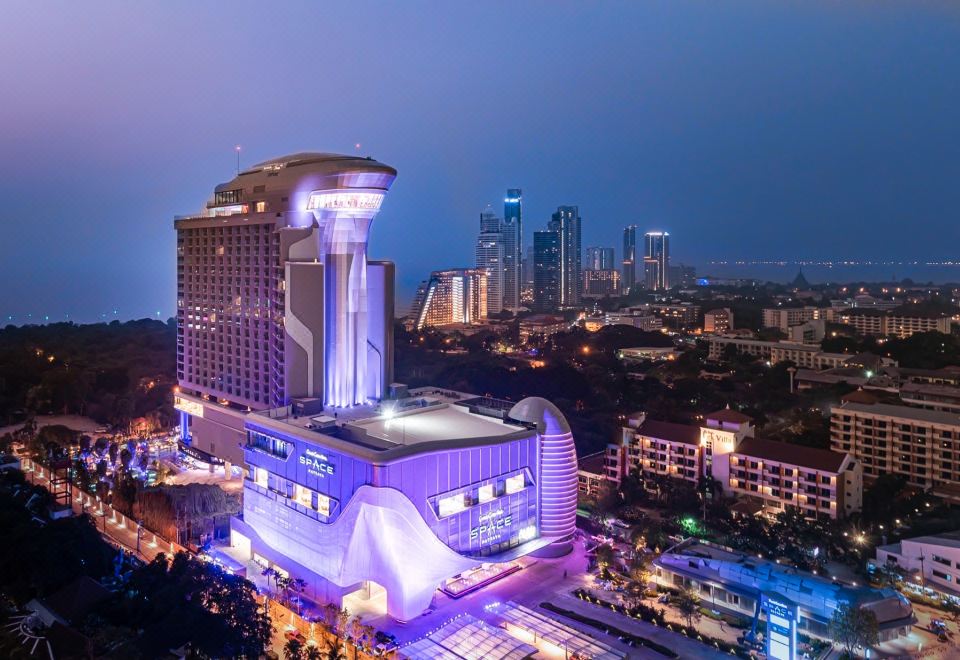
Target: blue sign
{"type": "Point", "coordinates": [781, 642]}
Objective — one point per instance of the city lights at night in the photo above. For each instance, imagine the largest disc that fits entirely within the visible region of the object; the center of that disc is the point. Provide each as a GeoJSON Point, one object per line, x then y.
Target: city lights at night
{"type": "Point", "coordinates": [501, 331]}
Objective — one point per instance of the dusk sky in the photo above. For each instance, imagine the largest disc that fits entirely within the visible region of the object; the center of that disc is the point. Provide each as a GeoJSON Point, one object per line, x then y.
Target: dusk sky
{"type": "Point", "coordinates": [747, 129]}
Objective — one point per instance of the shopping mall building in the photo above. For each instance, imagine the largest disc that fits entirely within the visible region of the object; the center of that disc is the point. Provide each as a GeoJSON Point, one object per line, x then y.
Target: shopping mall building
{"type": "Point", "coordinates": [407, 495]}
{"type": "Point", "coordinates": [285, 368]}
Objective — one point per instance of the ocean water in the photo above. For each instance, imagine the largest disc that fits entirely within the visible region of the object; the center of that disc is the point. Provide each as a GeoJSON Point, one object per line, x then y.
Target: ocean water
{"type": "Point", "coordinates": [818, 273]}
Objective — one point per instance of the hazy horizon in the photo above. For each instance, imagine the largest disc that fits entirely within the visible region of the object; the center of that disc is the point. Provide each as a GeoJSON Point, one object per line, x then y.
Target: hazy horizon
{"type": "Point", "coordinates": [800, 130]}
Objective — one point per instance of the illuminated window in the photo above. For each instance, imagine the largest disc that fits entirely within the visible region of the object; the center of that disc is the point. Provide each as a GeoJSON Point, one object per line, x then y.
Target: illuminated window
{"type": "Point", "coordinates": [515, 483]}
{"type": "Point", "coordinates": [323, 505]}
{"type": "Point", "coordinates": [485, 493]}
{"type": "Point", "coordinates": [449, 505]}
{"type": "Point", "coordinates": [304, 496]}
{"type": "Point", "coordinates": [261, 207]}
{"type": "Point", "coordinates": [260, 477]}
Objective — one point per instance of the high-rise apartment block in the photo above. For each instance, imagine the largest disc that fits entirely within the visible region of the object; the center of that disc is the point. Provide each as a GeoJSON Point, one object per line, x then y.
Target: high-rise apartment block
{"type": "Point", "coordinates": [566, 222]}
{"type": "Point", "coordinates": [490, 257]}
{"type": "Point", "coordinates": [630, 257]}
{"type": "Point", "coordinates": [656, 260]}
{"type": "Point", "coordinates": [450, 297]}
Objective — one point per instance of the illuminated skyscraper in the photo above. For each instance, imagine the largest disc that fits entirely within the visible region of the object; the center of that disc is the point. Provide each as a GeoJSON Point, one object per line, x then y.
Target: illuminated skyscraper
{"type": "Point", "coordinates": [599, 258]}
{"type": "Point", "coordinates": [490, 257]}
{"type": "Point", "coordinates": [629, 258]}
{"type": "Point", "coordinates": [276, 298]}
{"type": "Point", "coordinates": [656, 260]}
{"type": "Point", "coordinates": [566, 222]}
{"type": "Point", "coordinates": [546, 270]}
{"type": "Point", "coordinates": [512, 230]}
{"type": "Point", "coordinates": [452, 297]}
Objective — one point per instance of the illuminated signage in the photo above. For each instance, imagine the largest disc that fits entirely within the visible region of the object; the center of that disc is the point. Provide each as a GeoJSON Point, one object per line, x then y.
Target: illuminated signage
{"type": "Point", "coordinates": [721, 442]}
{"type": "Point", "coordinates": [344, 200]}
{"type": "Point", "coordinates": [781, 628]}
{"type": "Point", "coordinates": [317, 464]}
{"type": "Point", "coordinates": [187, 406]}
{"type": "Point", "coordinates": [491, 526]}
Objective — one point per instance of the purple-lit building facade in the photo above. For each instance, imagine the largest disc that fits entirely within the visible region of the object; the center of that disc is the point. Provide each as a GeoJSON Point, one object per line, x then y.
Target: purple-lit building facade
{"type": "Point", "coordinates": [276, 298]}
{"type": "Point", "coordinates": [407, 494]}
{"type": "Point", "coordinates": [285, 367]}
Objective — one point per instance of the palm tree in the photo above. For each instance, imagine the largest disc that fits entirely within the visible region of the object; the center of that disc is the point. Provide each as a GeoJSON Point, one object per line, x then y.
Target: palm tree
{"type": "Point", "coordinates": [298, 586]}
{"type": "Point", "coordinates": [313, 652]}
{"type": "Point", "coordinates": [293, 650]}
{"type": "Point", "coordinates": [269, 573]}
{"type": "Point", "coordinates": [335, 652]}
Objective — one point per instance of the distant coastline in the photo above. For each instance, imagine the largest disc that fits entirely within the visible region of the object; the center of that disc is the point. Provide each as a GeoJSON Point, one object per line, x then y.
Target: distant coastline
{"type": "Point", "coordinates": [823, 272]}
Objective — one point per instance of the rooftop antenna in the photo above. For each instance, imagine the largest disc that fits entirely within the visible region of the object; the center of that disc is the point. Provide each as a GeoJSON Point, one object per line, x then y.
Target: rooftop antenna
{"type": "Point", "coordinates": [237, 148]}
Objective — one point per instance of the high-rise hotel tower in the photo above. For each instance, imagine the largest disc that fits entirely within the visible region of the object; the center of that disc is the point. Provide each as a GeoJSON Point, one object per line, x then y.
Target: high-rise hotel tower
{"type": "Point", "coordinates": [276, 298]}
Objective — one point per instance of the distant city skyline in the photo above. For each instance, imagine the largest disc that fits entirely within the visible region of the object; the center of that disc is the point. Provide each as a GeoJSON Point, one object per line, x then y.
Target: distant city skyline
{"type": "Point", "coordinates": [750, 131]}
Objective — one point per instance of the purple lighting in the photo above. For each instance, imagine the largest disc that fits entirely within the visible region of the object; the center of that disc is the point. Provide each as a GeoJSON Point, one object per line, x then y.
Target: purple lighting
{"type": "Point", "coordinates": [410, 499]}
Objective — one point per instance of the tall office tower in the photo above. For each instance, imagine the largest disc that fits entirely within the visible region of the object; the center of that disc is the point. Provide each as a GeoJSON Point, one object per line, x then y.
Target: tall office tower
{"type": "Point", "coordinates": [276, 298]}
{"type": "Point", "coordinates": [566, 221]}
{"type": "Point", "coordinates": [599, 258]}
{"type": "Point", "coordinates": [528, 267]}
{"type": "Point", "coordinates": [490, 257]}
{"type": "Point", "coordinates": [458, 295]}
{"type": "Point", "coordinates": [546, 270]}
{"type": "Point", "coordinates": [656, 260]}
{"type": "Point", "coordinates": [630, 255]}
{"type": "Point", "coordinates": [512, 231]}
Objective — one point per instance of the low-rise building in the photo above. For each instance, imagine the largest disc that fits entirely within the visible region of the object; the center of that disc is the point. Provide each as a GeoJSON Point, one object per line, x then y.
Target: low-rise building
{"type": "Point", "coordinates": [646, 322]}
{"type": "Point", "coordinates": [805, 356]}
{"type": "Point", "coordinates": [591, 474]}
{"type": "Point", "coordinates": [818, 482]}
{"type": "Point", "coordinates": [544, 325]}
{"type": "Point", "coordinates": [922, 446]}
{"type": "Point", "coordinates": [678, 316]}
{"type": "Point", "coordinates": [735, 582]}
{"type": "Point", "coordinates": [718, 321]}
{"type": "Point", "coordinates": [925, 562]}
{"type": "Point", "coordinates": [931, 397]}
{"type": "Point", "coordinates": [643, 353]}
{"type": "Point", "coordinates": [785, 318]}
{"type": "Point", "coordinates": [899, 322]}
{"type": "Point", "coordinates": [811, 332]}
{"type": "Point", "coordinates": [773, 476]}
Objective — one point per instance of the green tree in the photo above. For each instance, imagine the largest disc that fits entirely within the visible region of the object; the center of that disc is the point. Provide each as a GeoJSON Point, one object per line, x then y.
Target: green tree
{"type": "Point", "coordinates": [688, 604]}
{"type": "Point", "coordinates": [852, 627]}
